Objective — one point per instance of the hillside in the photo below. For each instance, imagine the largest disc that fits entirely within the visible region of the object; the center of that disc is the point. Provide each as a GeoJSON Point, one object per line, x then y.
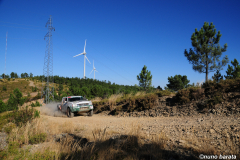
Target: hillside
{"type": "Point", "coordinates": [26, 86]}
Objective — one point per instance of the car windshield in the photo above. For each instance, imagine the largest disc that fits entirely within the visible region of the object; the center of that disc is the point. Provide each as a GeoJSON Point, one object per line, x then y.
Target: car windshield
{"type": "Point", "coordinates": [75, 99]}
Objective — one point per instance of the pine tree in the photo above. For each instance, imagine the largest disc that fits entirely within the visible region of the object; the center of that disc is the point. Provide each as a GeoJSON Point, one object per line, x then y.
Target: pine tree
{"type": "Point", "coordinates": [145, 78]}
{"type": "Point", "coordinates": [160, 88]}
{"type": "Point", "coordinates": [207, 50]}
{"type": "Point", "coordinates": [217, 76]}
{"type": "Point", "coordinates": [233, 72]}
{"type": "Point", "coordinates": [177, 82]}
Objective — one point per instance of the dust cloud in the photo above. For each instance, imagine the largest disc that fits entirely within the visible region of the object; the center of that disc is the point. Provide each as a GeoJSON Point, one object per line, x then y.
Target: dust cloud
{"type": "Point", "coordinates": [51, 110]}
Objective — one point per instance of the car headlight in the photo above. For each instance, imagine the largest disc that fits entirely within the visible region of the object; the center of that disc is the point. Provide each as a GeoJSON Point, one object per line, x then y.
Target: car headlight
{"type": "Point", "coordinates": [90, 103]}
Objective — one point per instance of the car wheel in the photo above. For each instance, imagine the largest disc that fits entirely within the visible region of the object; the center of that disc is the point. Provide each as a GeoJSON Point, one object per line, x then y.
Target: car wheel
{"type": "Point", "coordinates": [90, 113]}
{"type": "Point", "coordinates": [69, 113]}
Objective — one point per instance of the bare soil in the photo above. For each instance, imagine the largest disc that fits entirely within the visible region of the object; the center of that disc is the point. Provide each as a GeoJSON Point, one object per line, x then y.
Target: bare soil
{"type": "Point", "coordinates": [220, 133]}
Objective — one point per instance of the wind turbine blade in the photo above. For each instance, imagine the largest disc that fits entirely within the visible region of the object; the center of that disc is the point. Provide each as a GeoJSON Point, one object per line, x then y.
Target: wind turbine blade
{"type": "Point", "coordinates": [96, 70]}
{"type": "Point", "coordinates": [87, 59]}
{"type": "Point", "coordinates": [78, 55]}
{"type": "Point", "coordinates": [90, 72]}
{"type": "Point", "coordinates": [93, 63]}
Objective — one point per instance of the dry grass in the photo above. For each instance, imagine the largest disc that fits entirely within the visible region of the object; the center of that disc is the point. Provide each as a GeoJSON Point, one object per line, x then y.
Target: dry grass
{"type": "Point", "coordinates": [140, 94]}
{"type": "Point", "coordinates": [131, 147]}
{"type": "Point", "coordinates": [113, 99]}
{"type": "Point", "coordinates": [37, 126]}
{"type": "Point", "coordinates": [96, 99]}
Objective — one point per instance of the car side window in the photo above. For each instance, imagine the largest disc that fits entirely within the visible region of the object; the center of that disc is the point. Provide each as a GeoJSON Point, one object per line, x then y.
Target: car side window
{"type": "Point", "coordinates": [64, 99]}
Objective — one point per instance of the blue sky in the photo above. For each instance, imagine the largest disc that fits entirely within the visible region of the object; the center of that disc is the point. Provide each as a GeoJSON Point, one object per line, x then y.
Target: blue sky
{"type": "Point", "coordinates": [122, 36]}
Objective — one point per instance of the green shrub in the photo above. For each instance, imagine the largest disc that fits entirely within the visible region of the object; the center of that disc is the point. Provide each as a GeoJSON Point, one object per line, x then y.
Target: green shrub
{"type": "Point", "coordinates": [20, 117]}
{"type": "Point", "coordinates": [34, 89]}
{"type": "Point", "coordinates": [12, 103]}
{"type": "Point", "coordinates": [38, 138]}
{"type": "Point", "coordinates": [37, 104]}
{"type": "Point", "coordinates": [22, 100]}
{"type": "Point", "coordinates": [46, 155]}
{"type": "Point", "coordinates": [32, 105]}
{"type": "Point", "coordinates": [13, 148]}
{"type": "Point", "coordinates": [3, 106]}
{"type": "Point", "coordinates": [4, 88]}
{"type": "Point", "coordinates": [36, 114]}
{"type": "Point", "coordinates": [3, 154]}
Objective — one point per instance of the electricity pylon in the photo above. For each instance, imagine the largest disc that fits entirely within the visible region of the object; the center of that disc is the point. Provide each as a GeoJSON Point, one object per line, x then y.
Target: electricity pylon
{"type": "Point", "coordinates": [47, 79]}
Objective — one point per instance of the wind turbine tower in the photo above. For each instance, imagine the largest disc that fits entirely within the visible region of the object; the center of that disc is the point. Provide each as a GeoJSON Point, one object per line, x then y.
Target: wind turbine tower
{"type": "Point", "coordinates": [94, 69]}
{"type": "Point", "coordinates": [85, 57]}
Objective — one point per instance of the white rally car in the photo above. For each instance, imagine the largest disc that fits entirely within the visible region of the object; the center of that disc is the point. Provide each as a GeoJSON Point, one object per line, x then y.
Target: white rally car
{"type": "Point", "coordinates": [75, 104]}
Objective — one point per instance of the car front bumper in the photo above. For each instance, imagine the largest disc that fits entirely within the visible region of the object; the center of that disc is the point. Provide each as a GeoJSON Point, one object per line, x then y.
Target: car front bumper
{"type": "Point", "coordinates": [82, 109]}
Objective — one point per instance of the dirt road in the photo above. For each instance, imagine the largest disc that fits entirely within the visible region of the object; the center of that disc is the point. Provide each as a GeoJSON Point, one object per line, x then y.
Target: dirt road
{"type": "Point", "coordinates": [199, 129]}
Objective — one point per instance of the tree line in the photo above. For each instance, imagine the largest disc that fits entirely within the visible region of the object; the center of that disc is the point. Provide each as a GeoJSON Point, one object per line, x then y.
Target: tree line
{"type": "Point", "coordinates": [87, 87]}
{"type": "Point", "coordinates": [15, 75]}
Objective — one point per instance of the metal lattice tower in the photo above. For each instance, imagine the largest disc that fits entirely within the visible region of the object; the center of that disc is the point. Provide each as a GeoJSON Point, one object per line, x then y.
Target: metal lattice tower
{"type": "Point", "coordinates": [47, 80]}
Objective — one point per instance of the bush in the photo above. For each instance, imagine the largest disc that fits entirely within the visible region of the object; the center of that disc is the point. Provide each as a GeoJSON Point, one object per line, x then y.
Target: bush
{"type": "Point", "coordinates": [21, 117]}
{"type": "Point", "coordinates": [182, 96]}
{"type": "Point", "coordinates": [37, 104]}
{"type": "Point", "coordinates": [163, 93]}
{"type": "Point", "coordinates": [177, 82]}
{"type": "Point", "coordinates": [142, 102]}
{"type": "Point", "coordinates": [12, 103]}
{"type": "Point", "coordinates": [38, 138]}
{"type": "Point", "coordinates": [32, 105]}
{"type": "Point", "coordinates": [22, 100]}
{"type": "Point", "coordinates": [4, 88]}
{"type": "Point", "coordinates": [3, 106]}
{"type": "Point", "coordinates": [34, 89]}
{"type": "Point", "coordinates": [13, 148]}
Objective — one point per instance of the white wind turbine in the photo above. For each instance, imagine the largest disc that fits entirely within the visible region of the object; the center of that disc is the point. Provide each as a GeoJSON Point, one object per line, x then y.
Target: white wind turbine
{"type": "Point", "coordinates": [85, 57]}
{"type": "Point", "coordinates": [94, 69]}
